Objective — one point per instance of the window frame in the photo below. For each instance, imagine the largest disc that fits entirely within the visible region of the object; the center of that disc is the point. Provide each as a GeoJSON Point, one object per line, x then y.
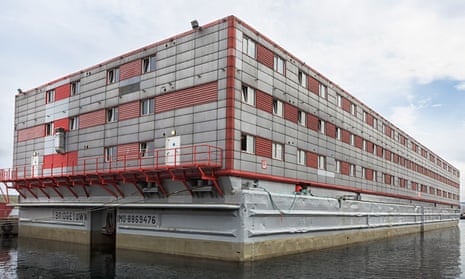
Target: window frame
{"type": "Point", "coordinates": [248, 143]}
{"type": "Point", "coordinates": [74, 123]}
{"type": "Point", "coordinates": [277, 151]}
{"type": "Point", "coordinates": [302, 118]}
{"type": "Point", "coordinates": [249, 47]}
{"type": "Point", "coordinates": [322, 91]}
{"type": "Point", "coordinates": [113, 75]}
{"type": "Point", "coordinates": [322, 162]}
{"type": "Point", "coordinates": [147, 106]}
{"type": "Point", "coordinates": [279, 64]}
{"type": "Point", "coordinates": [112, 114]}
{"type": "Point", "coordinates": [75, 87]}
{"type": "Point", "coordinates": [50, 96]}
{"type": "Point", "coordinates": [303, 79]}
{"type": "Point", "coordinates": [110, 153]}
{"type": "Point", "coordinates": [49, 129]}
{"type": "Point", "coordinates": [301, 157]}
{"type": "Point", "coordinates": [278, 107]}
{"type": "Point", "coordinates": [321, 126]}
{"type": "Point", "coordinates": [248, 95]}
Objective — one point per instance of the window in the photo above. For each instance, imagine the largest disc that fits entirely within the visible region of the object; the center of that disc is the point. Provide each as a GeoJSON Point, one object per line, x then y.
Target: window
{"type": "Point", "coordinates": [364, 145]}
{"type": "Point", "coordinates": [113, 75]}
{"type": "Point", "coordinates": [146, 106]}
{"type": "Point", "coordinates": [50, 96]}
{"type": "Point", "coordinates": [110, 153]}
{"type": "Point", "coordinates": [112, 114]}
{"type": "Point", "coordinates": [301, 158]}
{"type": "Point", "coordinates": [248, 47]}
{"type": "Point", "coordinates": [364, 116]}
{"type": "Point", "coordinates": [303, 79]}
{"type": "Point", "coordinates": [321, 126]}
{"type": "Point", "coordinates": [339, 100]}
{"type": "Point", "coordinates": [321, 162]}
{"type": "Point", "coordinates": [353, 109]}
{"type": "Point", "coordinates": [49, 129]}
{"type": "Point", "coordinates": [277, 151]}
{"type": "Point", "coordinates": [75, 87]}
{"type": "Point", "coordinates": [364, 172]}
{"type": "Point", "coordinates": [248, 95]}
{"type": "Point", "coordinates": [146, 149]}
{"type": "Point", "coordinates": [277, 107]}
{"type": "Point", "coordinates": [375, 123]}
{"type": "Point", "coordinates": [148, 64]}
{"type": "Point", "coordinates": [338, 133]}
{"type": "Point", "coordinates": [375, 176]}
{"type": "Point", "coordinates": [322, 90]}
{"type": "Point", "coordinates": [248, 143]}
{"type": "Point", "coordinates": [302, 118]}
{"type": "Point", "coordinates": [352, 139]}
{"type": "Point", "coordinates": [352, 170]}
{"type": "Point", "coordinates": [74, 123]}
{"type": "Point", "coordinates": [278, 64]}
{"type": "Point", "coordinates": [338, 166]}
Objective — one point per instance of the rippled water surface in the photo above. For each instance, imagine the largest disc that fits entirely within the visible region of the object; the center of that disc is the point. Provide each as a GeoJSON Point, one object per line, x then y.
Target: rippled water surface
{"type": "Point", "coordinates": [437, 254]}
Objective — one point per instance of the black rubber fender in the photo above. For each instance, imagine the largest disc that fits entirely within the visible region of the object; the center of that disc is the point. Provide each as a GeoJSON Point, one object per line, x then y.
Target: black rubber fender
{"type": "Point", "coordinates": [7, 227]}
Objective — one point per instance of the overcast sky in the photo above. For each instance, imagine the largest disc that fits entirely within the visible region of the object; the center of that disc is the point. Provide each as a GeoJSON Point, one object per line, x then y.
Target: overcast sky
{"type": "Point", "coordinates": [405, 59]}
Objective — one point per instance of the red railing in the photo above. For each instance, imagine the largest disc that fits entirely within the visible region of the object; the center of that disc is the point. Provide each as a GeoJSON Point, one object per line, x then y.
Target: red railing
{"type": "Point", "coordinates": [175, 158]}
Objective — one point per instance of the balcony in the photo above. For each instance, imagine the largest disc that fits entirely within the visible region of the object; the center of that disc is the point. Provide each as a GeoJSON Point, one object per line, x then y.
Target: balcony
{"type": "Point", "coordinates": [178, 164]}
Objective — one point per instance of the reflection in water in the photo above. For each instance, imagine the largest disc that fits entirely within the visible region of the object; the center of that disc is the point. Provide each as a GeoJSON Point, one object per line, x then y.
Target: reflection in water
{"type": "Point", "coordinates": [435, 254]}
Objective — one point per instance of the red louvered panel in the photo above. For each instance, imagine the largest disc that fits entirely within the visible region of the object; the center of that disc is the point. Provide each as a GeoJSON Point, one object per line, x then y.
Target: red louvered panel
{"type": "Point", "coordinates": [396, 158]}
{"type": "Point", "coordinates": [31, 133]}
{"type": "Point", "coordinates": [264, 101]}
{"type": "Point", "coordinates": [62, 92]}
{"type": "Point", "coordinates": [370, 147]}
{"type": "Point", "coordinates": [197, 95]}
{"type": "Point", "coordinates": [402, 182]}
{"type": "Point", "coordinates": [387, 155]}
{"type": "Point", "coordinates": [128, 151]}
{"type": "Point", "coordinates": [387, 178]}
{"type": "Point", "coordinates": [345, 136]}
{"type": "Point", "coordinates": [92, 119]}
{"type": "Point", "coordinates": [61, 123]}
{"type": "Point", "coordinates": [414, 186]}
{"type": "Point", "coordinates": [312, 160]}
{"type": "Point", "coordinates": [60, 160]}
{"type": "Point", "coordinates": [368, 174]}
{"type": "Point", "coordinates": [263, 147]}
{"type": "Point", "coordinates": [369, 119]}
{"type": "Point", "coordinates": [265, 56]}
{"type": "Point", "coordinates": [313, 85]}
{"type": "Point", "coordinates": [346, 104]}
{"type": "Point", "coordinates": [387, 131]}
{"type": "Point", "coordinates": [130, 69]}
{"type": "Point", "coordinates": [344, 168]}
{"type": "Point", "coordinates": [379, 151]}
{"type": "Point", "coordinates": [331, 130]}
{"type": "Point", "coordinates": [358, 142]}
{"type": "Point", "coordinates": [129, 110]}
{"type": "Point", "coordinates": [312, 122]}
{"type": "Point", "coordinates": [290, 112]}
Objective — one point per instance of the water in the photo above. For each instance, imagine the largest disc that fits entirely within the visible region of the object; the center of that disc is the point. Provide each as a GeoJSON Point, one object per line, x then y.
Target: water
{"type": "Point", "coordinates": [436, 254]}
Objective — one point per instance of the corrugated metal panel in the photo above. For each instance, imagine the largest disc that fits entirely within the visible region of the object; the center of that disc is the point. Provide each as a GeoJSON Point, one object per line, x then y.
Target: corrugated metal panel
{"type": "Point", "coordinates": [368, 174]}
{"type": "Point", "coordinates": [264, 101]}
{"type": "Point", "coordinates": [263, 147]}
{"type": "Point", "coordinates": [60, 160]}
{"type": "Point", "coordinates": [130, 69]}
{"type": "Point", "coordinates": [369, 147]}
{"type": "Point", "coordinates": [92, 119]}
{"type": "Point", "coordinates": [345, 136]}
{"type": "Point", "coordinates": [346, 104]}
{"type": "Point", "coordinates": [312, 122]}
{"type": "Point", "coordinates": [344, 168]}
{"type": "Point", "coordinates": [202, 94]}
{"type": "Point", "coordinates": [330, 130]}
{"type": "Point", "coordinates": [379, 151]}
{"type": "Point", "coordinates": [265, 56]}
{"type": "Point", "coordinates": [369, 119]}
{"type": "Point", "coordinates": [312, 160]}
{"type": "Point", "coordinates": [128, 150]}
{"type": "Point", "coordinates": [129, 110]}
{"type": "Point", "coordinates": [61, 123]}
{"type": "Point", "coordinates": [62, 92]}
{"type": "Point", "coordinates": [290, 112]}
{"type": "Point", "coordinates": [313, 85]}
{"type": "Point", "coordinates": [358, 142]}
{"type": "Point", "coordinates": [31, 133]}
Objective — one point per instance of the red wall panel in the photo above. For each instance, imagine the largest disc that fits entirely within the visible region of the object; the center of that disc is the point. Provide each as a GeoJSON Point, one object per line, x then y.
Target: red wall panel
{"type": "Point", "coordinates": [130, 69]}
{"type": "Point", "coordinates": [290, 112]}
{"type": "Point", "coordinates": [128, 151]}
{"type": "Point", "coordinates": [265, 56]}
{"type": "Point", "coordinates": [92, 119]}
{"type": "Point", "coordinates": [313, 85]}
{"type": "Point", "coordinates": [370, 147]}
{"type": "Point", "coordinates": [346, 104]}
{"type": "Point", "coordinates": [358, 142]}
{"type": "Point", "coordinates": [62, 92]}
{"type": "Point", "coordinates": [60, 160]}
{"type": "Point", "coordinates": [61, 123]}
{"type": "Point", "coordinates": [368, 174]}
{"type": "Point", "coordinates": [345, 136]}
{"type": "Point", "coordinates": [202, 94]}
{"type": "Point", "coordinates": [369, 119]}
{"type": "Point", "coordinates": [312, 122]}
{"type": "Point", "coordinates": [129, 110]}
{"type": "Point", "coordinates": [330, 130]}
{"type": "Point", "coordinates": [31, 133]}
{"type": "Point", "coordinates": [379, 151]}
{"type": "Point", "coordinates": [263, 147]}
{"type": "Point", "coordinates": [264, 101]}
{"type": "Point", "coordinates": [312, 160]}
{"type": "Point", "coordinates": [344, 168]}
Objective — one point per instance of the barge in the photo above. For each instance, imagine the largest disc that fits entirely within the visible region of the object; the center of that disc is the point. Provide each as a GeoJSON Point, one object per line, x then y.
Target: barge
{"type": "Point", "coordinates": [218, 143]}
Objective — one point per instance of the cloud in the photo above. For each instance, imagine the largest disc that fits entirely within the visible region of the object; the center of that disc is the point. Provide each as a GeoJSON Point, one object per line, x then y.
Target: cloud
{"type": "Point", "coordinates": [460, 86]}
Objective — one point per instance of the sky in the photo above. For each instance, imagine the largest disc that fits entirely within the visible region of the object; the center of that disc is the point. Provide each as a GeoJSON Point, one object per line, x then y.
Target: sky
{"type": "Point", "coordinates": [404, 59]}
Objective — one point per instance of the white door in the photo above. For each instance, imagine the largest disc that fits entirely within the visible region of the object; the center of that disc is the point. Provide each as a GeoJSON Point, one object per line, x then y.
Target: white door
{"type": "Point", "coordinates": [172, 151]}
